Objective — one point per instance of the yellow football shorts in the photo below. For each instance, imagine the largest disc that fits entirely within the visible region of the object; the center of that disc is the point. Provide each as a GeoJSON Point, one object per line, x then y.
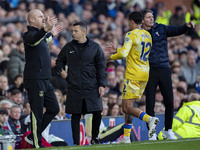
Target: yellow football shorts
{"type": "Point", "coordinates": [133, 89]}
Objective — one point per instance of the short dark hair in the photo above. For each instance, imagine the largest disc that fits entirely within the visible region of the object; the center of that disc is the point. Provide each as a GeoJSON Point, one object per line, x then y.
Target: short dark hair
{"type": "Point", "coordinates": [3, 111]}
{"type": "Point", "coordinates": [83, 25]}
{"type": "Point", "coordinates": [144, 12]}
{"type": "Point", "coordinates": [15, 92]}
{"type": "Point", "coordinates": [136, 16]}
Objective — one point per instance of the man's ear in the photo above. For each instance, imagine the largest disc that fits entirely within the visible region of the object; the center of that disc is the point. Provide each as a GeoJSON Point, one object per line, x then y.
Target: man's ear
{"type": "Point", "coordinates": [31, 20]}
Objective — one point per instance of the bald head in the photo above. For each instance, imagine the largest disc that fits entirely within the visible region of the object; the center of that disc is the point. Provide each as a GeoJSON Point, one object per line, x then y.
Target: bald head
{"type": "Point", "coordinates": [35, 18]}
{"type": "Point", "coordinates": [31, 14]}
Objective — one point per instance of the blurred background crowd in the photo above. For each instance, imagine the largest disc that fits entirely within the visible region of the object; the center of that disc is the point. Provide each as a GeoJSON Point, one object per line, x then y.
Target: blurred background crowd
{"type": "Point", "coordinates": [106, 20]}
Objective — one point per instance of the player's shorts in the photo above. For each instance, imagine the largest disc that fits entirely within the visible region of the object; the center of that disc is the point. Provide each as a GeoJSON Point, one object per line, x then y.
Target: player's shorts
{"type": "Point", "coordinates": [133, 89]}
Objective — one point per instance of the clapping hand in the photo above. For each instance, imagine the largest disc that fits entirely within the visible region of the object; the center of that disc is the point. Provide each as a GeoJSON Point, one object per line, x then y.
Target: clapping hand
{"type": "Point", "coordinates": [56, 29]}
{"type": "Point", "coordinates": [50, 23]}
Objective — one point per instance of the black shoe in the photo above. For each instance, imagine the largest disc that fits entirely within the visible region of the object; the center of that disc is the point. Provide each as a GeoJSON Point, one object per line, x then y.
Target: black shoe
{"type": "Point", "coordinates": [28, 139]}
{"type": "Point", "coordinates": [95, 141]}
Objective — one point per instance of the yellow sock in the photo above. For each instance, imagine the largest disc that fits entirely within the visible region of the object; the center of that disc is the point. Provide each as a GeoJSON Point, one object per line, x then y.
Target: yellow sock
{"type": "Point", "coordinates": [143, 116]}
{"type": "Point", "coordinates": [127, 129]}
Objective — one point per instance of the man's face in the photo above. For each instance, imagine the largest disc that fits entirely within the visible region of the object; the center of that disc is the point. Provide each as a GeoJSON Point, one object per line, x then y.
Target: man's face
{"type": "Point", "coordinates": [38, 19]}
{"type": "Point", "coordinates": [78, 33]}
{"type": "Point", "coordinates": [148, 20]}
{"type": "Point", "coordinates": [15, 113]}
{"type": "Point", "coordinates": [3, 83]}
{"type": "Point", "coordinates": [27, 109]}
{"type": "Point", "coordinates": [17, 98]}
{"type": "Point", "coordinates": [3, 118]}
{"type": "Point", "coordinates": [6, 106]}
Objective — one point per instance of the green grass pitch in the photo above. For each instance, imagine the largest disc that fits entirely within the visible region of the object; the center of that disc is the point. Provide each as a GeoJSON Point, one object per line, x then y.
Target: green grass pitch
{"type": "Point", "coordinates": [181, 144]}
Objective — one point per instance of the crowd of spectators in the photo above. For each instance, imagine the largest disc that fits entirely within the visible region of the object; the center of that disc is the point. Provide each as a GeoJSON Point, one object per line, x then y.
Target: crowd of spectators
{"type": "Point", "coordinates": [106, 20]}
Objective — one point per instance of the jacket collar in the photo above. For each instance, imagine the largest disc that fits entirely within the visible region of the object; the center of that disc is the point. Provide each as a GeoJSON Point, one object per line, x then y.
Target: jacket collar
{"type": "Point", "coordinates": [32, 28]}
{"type": "Point", "coordinates": [74, 42]}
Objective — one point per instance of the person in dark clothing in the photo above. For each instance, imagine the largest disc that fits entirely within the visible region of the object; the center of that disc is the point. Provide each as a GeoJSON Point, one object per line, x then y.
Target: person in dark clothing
{"type": "Point", "coordinates": [37, 73]}
{"type": "Point", "coordinates": [56, 80]}
{"type": "Point", "coordinates": [160, 73]}
{"type": "Point", "coordinates": [16, 62]}
{"type": "Point", "coordinates": [14, 124]}
{"type": "Point", "coordinates": [86, 79]}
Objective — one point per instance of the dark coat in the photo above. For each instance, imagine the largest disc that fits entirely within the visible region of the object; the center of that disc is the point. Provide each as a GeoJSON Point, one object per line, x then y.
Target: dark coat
{"type": "Point", "coordinates": [158, 56]}
{"type": "Point", "coordinates": [15, 65]}
{"type": "Point", "coordinates": [37, 55]}
{"type": "Point", "coordinates": [85, 74]}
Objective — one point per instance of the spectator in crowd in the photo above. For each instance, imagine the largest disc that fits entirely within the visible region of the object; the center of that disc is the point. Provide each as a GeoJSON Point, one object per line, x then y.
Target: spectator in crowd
{"type": "Point", "coordinates": [105, 110]}
{"type": "Point", "coordinates": [159, 107]}
{"type": "Point", "coordinates": [160, 73]}
{"type": "Point", "coordinates": [183, 84]}
{"type": "Point", "coordinates": [112, 98]}
{"type": "Point", "coordinates": [16, 97]}
{"type": "Point", "coordinates": [86, 80]}
{"type": "Point", "coordinates": [3, 117]}
{"type": "Point", "coordinates": [14, 124]}
{"type": "Point", "coordinates": [37, 73]}
{"type": "Point", "coordinates": [163, 15]}
{"type": "Point", "coordinates": [61, 114]}
{"type": "Point", "coordinates": [25, 118]}
{"type": "Point", "coordinates": [59, 96]}
{"type": "Point", "coordinates": [56, 80]}
{"type": "Point", "coordinates": [178, 18]}
{"type": "Point", "coordinates": [137, 72]}
{"type": "Point", "coordinates": [190, 71]}
{"type": "Point", "coordinates": [4, 85]}
{"type": "Point", "coordinates": [18, 84]}
{"type": "Point", "coordinates": [114, 109]}
{"type": "Point", "coordinates": [16, 62]}
{"type": "Point", "coordinates": [186, 121]}
{"type": "Point", "coordinates": [105, 99]}
{"type": "Point", "coordinates": [7, 104]}
{"type": "Point", "coordinates": [114, 85]}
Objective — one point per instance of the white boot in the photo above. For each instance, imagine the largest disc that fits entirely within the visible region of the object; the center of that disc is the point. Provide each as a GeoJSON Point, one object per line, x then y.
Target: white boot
{"type": "Point", "coordinates": [152, 122]}
{"type": "Point", "coordinates": [169, 135]}
{"type": "Point", "coordinates": [125, 140]}
{"type": "Point", "coordinates": [153, 138]}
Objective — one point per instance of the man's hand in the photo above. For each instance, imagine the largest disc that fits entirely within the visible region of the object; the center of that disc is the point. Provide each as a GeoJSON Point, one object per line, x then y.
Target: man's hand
{"type": "Point", "coordinates": [56, 29]}
{"type": "Point", "coordinates": [63, 74]}
{"type": "Point", "coordinates": [50, 22]}
{"type": "Point", "coordinates": [111, 48]}
{"type": "Point", "coordinates": [101, 91]}
{"type": "Point", "coordinates": [190, 24]}
{"type": "Point", "coordinates": [107, 56]}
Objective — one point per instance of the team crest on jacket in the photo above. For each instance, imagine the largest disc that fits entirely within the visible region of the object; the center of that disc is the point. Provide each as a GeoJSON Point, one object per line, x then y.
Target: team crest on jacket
{"type": "Point", "coordinates": [157, 33]}
{"type": "Point", "coordinates": [41, 93]}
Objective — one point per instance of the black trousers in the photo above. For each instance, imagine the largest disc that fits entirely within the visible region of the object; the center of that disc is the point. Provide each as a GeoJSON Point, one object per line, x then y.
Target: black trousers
{"type": "Point", "coordinates": [75, 124]}
{"type": "Point", "coordinates": [161, 77]}
{"type": "Point", "coordinates": [41, 94]}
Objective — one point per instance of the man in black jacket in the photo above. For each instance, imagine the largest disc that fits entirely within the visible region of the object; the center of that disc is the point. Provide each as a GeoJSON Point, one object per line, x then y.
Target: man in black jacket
{"type": "Point", "coordinates": [160, 73]}
{"type": "Point", "coordinates": [37, 73]}
{"type": "Point", "coordinates": [86, 78]}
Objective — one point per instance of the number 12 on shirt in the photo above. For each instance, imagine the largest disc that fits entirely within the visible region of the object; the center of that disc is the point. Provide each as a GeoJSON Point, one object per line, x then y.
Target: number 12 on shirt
{"type": "Point", "coordinates": [144, 53]}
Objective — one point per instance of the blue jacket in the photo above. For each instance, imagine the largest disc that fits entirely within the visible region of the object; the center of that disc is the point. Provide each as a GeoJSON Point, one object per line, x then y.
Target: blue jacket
{"type": "Point", "coordinates": [37, 55]}
{"type": "Point", "coordinates": [159, 52]}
